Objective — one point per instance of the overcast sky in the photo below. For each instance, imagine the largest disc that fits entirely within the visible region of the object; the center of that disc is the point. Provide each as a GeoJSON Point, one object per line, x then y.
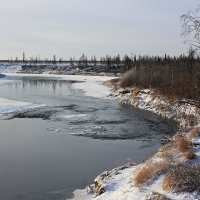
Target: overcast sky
{"type": "Point", "coordinates": [94, 27]}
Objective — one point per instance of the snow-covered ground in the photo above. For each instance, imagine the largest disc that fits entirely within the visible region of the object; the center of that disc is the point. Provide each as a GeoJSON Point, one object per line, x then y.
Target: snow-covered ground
{"type": "Point", "coordinates": [7, 68]}
{"type": "Point", "coordinates": [119, 186]}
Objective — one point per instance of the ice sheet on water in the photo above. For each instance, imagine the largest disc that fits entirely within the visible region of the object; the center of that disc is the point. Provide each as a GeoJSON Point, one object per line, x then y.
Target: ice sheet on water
{"type": "Point", "coordinates": [8, 107]}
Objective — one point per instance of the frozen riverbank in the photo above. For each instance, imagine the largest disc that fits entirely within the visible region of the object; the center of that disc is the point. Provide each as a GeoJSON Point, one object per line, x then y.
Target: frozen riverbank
{"type": "Point", "coordinates": [172, 173]}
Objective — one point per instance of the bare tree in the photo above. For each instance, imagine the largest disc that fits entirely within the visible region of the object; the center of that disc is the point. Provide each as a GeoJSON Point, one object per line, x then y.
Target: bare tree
{"type": "Point", "coordinates": [54, 59]}
{"type": "Point", "coordinates": [191, 27]}
{"type": "Point", "coordinates": [24, 57]}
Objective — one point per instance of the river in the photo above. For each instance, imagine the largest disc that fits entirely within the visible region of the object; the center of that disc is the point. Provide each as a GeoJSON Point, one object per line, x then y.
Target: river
{"type": "Point", "coordinates": [47, 152]}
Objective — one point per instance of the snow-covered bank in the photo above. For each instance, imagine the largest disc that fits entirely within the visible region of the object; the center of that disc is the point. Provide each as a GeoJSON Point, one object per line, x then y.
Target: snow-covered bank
{"type": "Point", "coordinates": [185, 112]}
{"type": "Point", "coordinates": [8, 68]}
{"type": "Point", "coordinates": [172, 173]}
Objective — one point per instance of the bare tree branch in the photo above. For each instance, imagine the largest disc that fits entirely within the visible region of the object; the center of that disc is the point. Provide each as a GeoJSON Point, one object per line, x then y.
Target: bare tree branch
{"type": "Point", "coordinates": [191, 27]}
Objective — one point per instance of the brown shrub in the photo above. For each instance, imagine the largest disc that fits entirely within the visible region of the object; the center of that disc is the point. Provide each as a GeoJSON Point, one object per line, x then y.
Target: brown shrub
{"type": "Point", "coordinates": [168, 183]}
{"type": "Point", "coordinates": [99, 188]}
{"type": "Point", "coordinates": [128, 79]}
{"type": "Point", "coordinates": [190, 119]}
{"type": "Point", "coordinates": [143, 176]}
{"type": "Point", "coordinates": [182, 178]}
{"type": "Point", "coordinates": [190, 155]}
{"type": "Point", "coordinates": [194, 133]}
{"type": "Point", "coordinates": [147, 173]}
{"type": "Point", "coordinates": [183, 144]}
{"type": "Point", "coordinates": [136, 90]}
{"type": "Point", "coordinates": [114, 80]}
{"type": "Point", "coordinates": [165, 154]}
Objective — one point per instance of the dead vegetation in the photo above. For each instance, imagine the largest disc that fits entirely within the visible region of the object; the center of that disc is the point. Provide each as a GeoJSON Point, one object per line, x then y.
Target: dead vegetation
{"type": "Point", "coordinates": [194, 133]}
{"type": "Point", "coordinates": [172, 77]}
{"type": "Point", "coordinates": [148, 172]}
{"type": "Point", "coordinates": [128, 79]}
{"type": "Point", "coordinates": [99, 188]}
{"type": "Point", "coordinates": [190, 155]}
{"type": "Point", "coordinates": [182, 178]}
{"type": "Point", "coordinates": [177, 151]}
{"type": "Point", "coordinates": [183, 144]}
{"type": "Point", "coordinates": [190, 120]}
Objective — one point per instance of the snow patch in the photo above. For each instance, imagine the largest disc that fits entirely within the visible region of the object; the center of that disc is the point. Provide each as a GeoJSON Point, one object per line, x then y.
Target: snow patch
{"type": "Point", "coordinates": [8, 107]}
{"type": "Point", "coordinates": [7, 68]}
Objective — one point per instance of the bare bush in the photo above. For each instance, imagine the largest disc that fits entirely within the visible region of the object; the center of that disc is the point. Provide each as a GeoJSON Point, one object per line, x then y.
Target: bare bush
{"type": "Point", "coordinates": [182, 178]}
{"type": "Point", "coordinates": [194, 133]}
{"type": "Point", "coordinates": [148, 172]}
{"type": "Point", "coordinates": [128, 79]}
{"type": "Point", "coordinates": [190, 155]}
{"type": "Point", "coordinates": [183, 144]}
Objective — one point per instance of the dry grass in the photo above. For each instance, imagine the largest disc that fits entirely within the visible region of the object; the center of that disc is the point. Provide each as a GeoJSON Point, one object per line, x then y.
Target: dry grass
{"type": "Point", "coordinates": [114, 80]}
{"type": "Point", "coordinates": [183, 144]}
{"type": "Point", "coordinates": [128, 79]}
{"type": "Point", "coordinates": [165, 154]}
{"type": "Point", "coordinates": [182, 178]}
{"type": "Point", "coordinates": [148, 172]}
{"type": "Point", "coordinates": [190, 155]}
{"type": "Point", "coordinates": [194, 133]}
{"type": "Point", "coordinates": [189, 120]}
{"type": "Point", "coordinates": [143, 176]}
{"type": "Point", "coordinates": [136, 91]}
{"type": "Point", "coordinates": [99, 188]}
{"type": "Point", "coordinates": [113, 83]}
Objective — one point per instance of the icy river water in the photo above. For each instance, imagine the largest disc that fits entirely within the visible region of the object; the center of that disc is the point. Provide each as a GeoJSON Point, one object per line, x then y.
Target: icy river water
{"type": "Point", "coordinates": [48, 152]}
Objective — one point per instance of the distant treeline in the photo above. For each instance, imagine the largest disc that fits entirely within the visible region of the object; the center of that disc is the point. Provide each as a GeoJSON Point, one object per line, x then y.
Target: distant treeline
{"type": "Point", "coordinates": [173, 76]}
{"type": "Point", "coordinates": [120, 63]}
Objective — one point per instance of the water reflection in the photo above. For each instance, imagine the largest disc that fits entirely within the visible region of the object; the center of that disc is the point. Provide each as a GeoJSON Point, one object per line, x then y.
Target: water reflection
{"type": "Point", "coordinates": [28, 82]}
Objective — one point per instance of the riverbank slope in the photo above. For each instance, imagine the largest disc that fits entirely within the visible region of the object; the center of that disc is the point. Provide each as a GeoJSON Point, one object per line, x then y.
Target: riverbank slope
{"type": "Point", "coordinates": [173, 172]}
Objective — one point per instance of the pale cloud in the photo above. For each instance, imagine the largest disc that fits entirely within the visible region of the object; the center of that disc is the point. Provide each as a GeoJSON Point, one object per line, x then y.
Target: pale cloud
{"type": "Point", "coordinates": [71, 27]}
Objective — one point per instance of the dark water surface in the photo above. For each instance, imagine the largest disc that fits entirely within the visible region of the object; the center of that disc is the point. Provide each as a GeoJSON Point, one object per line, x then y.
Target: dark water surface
{"type": "Point", "coordinates": [41, 157]}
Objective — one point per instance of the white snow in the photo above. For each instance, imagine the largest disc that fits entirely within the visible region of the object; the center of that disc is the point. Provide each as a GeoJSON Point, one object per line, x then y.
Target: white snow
{"type": "Point", "coordinates": [119, 186]}
{"type": "Point", "coordinates": [6, 68]}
